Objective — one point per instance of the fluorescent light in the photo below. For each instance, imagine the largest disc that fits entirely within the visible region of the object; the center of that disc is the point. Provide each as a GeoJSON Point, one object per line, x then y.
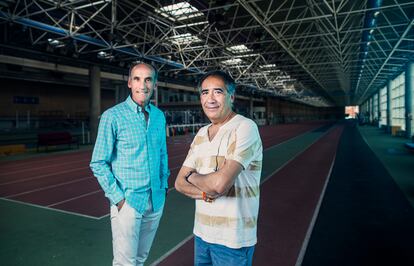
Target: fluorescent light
{"type": "Point", "coordinates": [376, 13]}
{"type": "Point", "coordinates": [239, 49]}
{"type": "Point", "coordinates": [371, 31]}
{"type": "Point", "coordinates": [191, 24]}
{"type": "Point", "coordinates": [246, 55]}
{"type": "Point", "coordinates": [105, 55]}
{"type": "Point", "coordinates": [268, 66]}
{"type": "Point", "coordinates": [185, 38]}
{"type": "Point", "coordinates": [271, 71]}
{"type": "Point", "coordinates": [55, 43]}
{"type": "Point", "coordinates": [179, 11]}
{"type": "Point", "coordinates": [232, 61]}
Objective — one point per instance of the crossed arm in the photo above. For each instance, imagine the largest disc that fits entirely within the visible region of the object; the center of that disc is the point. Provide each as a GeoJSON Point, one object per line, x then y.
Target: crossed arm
{"type": "Point", "coordinates": [214, 184]}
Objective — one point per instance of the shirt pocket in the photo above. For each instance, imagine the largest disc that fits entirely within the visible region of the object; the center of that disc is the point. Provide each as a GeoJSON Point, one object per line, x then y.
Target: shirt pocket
{"type": "Point", "coordinates": [130, 136]}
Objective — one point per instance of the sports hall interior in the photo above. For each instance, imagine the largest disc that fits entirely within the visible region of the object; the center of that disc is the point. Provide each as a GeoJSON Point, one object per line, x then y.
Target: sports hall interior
{"type": "Point", "coordinates": [330, 85]}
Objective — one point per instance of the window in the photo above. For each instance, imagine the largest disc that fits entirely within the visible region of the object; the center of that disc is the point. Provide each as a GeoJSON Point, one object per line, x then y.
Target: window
{"type": "Point", "coordinates": [383, 106]}
{"type": "Point", "coordinates": [398, 101]}
{"type": "Point", "coordinates": [375, 107]}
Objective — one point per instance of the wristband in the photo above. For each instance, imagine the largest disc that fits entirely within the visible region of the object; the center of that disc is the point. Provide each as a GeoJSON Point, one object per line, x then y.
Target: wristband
{"type": "Point", "coordinates": [204, 196]}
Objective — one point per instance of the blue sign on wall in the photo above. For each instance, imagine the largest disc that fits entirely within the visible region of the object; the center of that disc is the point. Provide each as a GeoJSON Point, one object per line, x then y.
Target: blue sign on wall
{"type": "Point", "coordinates": [25, 100]}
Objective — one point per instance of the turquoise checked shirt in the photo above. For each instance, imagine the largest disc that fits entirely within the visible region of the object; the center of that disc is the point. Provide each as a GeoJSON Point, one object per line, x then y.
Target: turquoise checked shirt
{"type": "Point", "coordinates": [130, 155]}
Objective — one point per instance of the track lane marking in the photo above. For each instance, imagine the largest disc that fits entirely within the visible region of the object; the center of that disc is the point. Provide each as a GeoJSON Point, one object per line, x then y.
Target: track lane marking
{"type": "Point", "coordinates": [261, 183]}
{"type": "Point", "coordinates": [48, 187]}
{"type": "Point", "coordinates": [75, 198]}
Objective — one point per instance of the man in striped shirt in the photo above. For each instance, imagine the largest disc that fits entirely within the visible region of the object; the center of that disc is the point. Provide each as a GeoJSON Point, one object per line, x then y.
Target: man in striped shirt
{"type": "Point", "coordinates": [222, 172]}
{"type": "Point", "coordinates": [131, 164]}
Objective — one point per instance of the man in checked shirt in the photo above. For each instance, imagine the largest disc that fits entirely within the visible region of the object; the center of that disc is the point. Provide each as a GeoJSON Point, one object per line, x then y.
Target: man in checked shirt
{"type": "Point", "coordinates": [131, 164]}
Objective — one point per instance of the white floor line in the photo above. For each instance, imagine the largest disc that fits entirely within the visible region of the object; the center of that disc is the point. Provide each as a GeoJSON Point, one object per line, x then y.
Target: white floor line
{"type": "Point", "coordinates": [75, 198]}
{"type": "Point", "coordinates": [160, 259]}
{"type": "Point", "coordinates": [22, 163]}
{"type": "Point", "coordinates": [98, 218]}
{"type": "Point", "coordinates": [305, 242]}
{"type": "Point", "coordinates": [50, 209]}
{"type": "Point", "coordinates": [291, 159]}
{"type": "Point", "coordinates": [38, 168]}
{"type": "Point", "coordinates": [48, 187]}
{"type": "Point", "coordinates": [106, 215]}
{"type": "Point", "coordinates": [42, 176]}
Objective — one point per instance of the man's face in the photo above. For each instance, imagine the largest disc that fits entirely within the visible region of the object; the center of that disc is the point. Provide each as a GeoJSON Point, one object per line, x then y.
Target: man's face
{"type": "Point", "coordinates": [215, 99]}
{"type": "Point", "coordinates": [142, 84]}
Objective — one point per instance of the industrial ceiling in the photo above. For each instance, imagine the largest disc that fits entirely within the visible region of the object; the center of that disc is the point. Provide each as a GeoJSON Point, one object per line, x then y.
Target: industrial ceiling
{"type": "Point", "coordinates": [324, 53]}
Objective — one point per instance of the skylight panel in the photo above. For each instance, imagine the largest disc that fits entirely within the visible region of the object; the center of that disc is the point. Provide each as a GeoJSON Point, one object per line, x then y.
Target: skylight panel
{"type": "Point", "coordinates": [185, 38]}
{"type": "Point", "coordinates": [179, 11]}
{"type": "Point", "coordinates": [239, 49]}
{"type": "Point", "coordinates": [234, 61]}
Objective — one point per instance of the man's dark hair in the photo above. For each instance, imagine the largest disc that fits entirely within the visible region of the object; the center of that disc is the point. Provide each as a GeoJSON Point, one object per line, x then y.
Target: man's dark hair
{"type": "Point", "coordinates": [136, 63]}
{"type": "Point", "coordinates": [228, 80]}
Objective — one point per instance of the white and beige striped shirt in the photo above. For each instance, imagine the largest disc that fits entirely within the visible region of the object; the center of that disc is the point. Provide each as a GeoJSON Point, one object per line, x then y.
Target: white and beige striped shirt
{"type": "Point", "coordinates": [230, 220]}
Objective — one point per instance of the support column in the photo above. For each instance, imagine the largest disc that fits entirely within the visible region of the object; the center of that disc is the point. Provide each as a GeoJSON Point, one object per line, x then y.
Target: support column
{"type": "Point", "coordinates": [95, 100]}
{"type": "Point", "coordinates": [389, 113]}
{"type": "Point", "coordinates": [269, 112]}
{"type": "Point", "coordinates": [409, 85]}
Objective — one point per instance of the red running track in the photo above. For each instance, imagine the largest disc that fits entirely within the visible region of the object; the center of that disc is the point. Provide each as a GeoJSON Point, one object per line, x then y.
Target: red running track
{"type": "Point", "coordinates": [288, 202]}
{"type": "Point", "coordinates": [65, 182]}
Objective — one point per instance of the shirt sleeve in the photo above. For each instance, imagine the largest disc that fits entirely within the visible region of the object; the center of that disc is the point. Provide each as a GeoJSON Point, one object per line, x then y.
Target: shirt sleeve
{"type": "Point", "coordinates": [244, 143]}
{"type": "Point", "coordinates": [101, 158]}
{"type": "Point", "coordinates": [164, 171]}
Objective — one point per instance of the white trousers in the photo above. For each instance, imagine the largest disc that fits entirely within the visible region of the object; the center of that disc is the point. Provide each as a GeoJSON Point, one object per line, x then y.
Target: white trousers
{"type": "Point", "coordinates": [133, 234]}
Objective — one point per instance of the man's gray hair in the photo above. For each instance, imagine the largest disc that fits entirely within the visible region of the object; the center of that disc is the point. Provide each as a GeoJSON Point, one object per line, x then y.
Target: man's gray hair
{"type": "Point", "coordinates": [228, 80]}
{"type": "Point", "coordinates": [136, 63]}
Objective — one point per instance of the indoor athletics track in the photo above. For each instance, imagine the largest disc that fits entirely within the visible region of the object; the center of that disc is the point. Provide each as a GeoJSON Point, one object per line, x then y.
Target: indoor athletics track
{"type": "Point", "coordinates": [54, 213]}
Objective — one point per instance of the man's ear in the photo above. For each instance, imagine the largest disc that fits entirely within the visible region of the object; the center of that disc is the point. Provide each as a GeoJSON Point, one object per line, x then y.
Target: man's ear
{"type": "Point", "coordinates": [129, 83]}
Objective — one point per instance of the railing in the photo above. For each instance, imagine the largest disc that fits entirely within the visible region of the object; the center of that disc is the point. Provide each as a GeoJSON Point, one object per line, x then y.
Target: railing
{"type": "Point", "coordinates": [183, 129]}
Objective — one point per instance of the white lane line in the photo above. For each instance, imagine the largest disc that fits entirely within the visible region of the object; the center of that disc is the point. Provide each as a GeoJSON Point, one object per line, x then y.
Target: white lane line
{"type": "Point", "coordinates": [75, 198]}
{"type": "Point", "coordinates": [50, 209]}
{"type": "Point", "coordinates": [168, 191]}
{"type": "Point", "coordinates": [264, 180]}
{"type": "Point", "coordinates": [160, 259]}
{"type": "Point", "coordinates": [305, 242]}
{"type": "Point", "coordinates": [98, 218]}
{"type": "Point", "coordinates": [42, 176]}
{"type": "Point", "coordinates": [42, 158]}
{"type": "Point", "coordinates": [40, 167]}
{"type": "Point", "coordinates": [48, 187]}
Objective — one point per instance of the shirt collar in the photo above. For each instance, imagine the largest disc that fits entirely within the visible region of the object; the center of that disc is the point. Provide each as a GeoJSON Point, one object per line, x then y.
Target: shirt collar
{"type": "Point", "coordinates": [134, 106]}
